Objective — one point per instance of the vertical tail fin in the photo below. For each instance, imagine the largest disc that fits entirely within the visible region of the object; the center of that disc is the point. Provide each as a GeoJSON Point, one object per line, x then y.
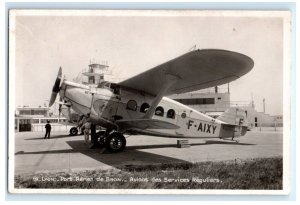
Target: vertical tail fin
{"type": "Point", "coordinates": [236, 119]}
{"type": "Point", "coordinates": [234, 116]}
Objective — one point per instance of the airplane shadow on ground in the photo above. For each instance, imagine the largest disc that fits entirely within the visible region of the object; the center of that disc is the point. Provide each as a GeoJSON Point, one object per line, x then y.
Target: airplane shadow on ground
{"type": "Point", "coordinates": [210, 142]}
{"type": "Point", "coordinates": [131, 156]}
{"type": "Point", "coordinates": [127, 158]}
{"type": "Point", "coordinates": [51, 137]}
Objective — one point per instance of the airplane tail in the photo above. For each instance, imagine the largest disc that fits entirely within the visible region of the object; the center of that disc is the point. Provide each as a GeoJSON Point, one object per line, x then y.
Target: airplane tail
{"type": "Point", "coordinates": [234, 119]}
{"type": "Point", "coordinates": [234, 116]}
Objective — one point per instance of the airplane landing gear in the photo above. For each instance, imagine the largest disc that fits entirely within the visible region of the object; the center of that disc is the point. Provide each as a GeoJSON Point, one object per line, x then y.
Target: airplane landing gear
{"type": "Point", "coordinates": [73, 131]}
{"type": "Point", "coordinates": [115, 142]}
{"type": "Point", "coordinates": [99, 139]}
{"type": "Point", "coordinates": [236, 141]}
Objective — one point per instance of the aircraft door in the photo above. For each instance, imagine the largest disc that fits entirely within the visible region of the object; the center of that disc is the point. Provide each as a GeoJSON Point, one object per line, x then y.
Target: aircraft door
{"type": "Point", "coordinates": [182, 120]}
{"type": "Point", "coordinates": [114, 102]}
{"type": "Point", "coordinates": [106, 103]}
{"type": "Point", "coordinates": [112, 108]}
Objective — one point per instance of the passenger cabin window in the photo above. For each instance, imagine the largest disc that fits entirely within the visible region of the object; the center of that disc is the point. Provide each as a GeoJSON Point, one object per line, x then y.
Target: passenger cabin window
{"type": "Point", "coordinates": [159, 111]}
{"type": "Point", "coordinates": [144, 107]}
{"type": "Point", "coordinates": [171, 114]}
{"type": "Point", "coordinates": [131, 105]}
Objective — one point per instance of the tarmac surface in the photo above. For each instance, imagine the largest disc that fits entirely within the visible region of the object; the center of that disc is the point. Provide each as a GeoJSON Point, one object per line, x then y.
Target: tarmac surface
{"type": "Point", "coordinates": [62, 152]}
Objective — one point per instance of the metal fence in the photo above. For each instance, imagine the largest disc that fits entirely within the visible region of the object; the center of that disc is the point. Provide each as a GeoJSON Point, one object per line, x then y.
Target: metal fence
{"type": "Point", "coordinates": [267, 129]}
{"type": "Point", "coordinates": [54, 128]}
{"type": "Point", "coordinates": [272, 127]}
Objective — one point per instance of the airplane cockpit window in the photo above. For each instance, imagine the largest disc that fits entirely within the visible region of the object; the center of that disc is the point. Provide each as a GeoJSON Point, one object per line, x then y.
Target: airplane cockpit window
{"type": "Point", "coordinates": [159, 111]}
{"type": "Point", "coordinates": [115, 88]}
{"type": "Point", "coordinates": [144, 107]}
{"type": "Point", "coordinates": [171, 114]}
{"type": "Point", "coordinates": [104, 84]}
{"type": "Point", "coordinates": [131, 105]}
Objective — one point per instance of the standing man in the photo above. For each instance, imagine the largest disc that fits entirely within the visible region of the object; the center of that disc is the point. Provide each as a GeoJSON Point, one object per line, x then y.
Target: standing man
{"type": "Point", "coordinates": [86, 127]}
{"type": "Point", "coordinates": [48, 129]}
{"type": "Point", "coordinates": [81, 123]}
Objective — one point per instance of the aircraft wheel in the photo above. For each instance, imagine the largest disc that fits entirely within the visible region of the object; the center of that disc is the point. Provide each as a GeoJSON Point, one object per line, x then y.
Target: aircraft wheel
{"type": "Point", "coordinates": [100, 139]}
{"type": "Point", "coordinates": [115, 142]}
{"type": "Point", "coordinates": [73, 131]}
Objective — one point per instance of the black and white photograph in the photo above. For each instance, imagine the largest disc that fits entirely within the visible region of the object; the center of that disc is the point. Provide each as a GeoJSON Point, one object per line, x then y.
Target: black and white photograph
{"type": "Point", "coordinates": [149, 101]}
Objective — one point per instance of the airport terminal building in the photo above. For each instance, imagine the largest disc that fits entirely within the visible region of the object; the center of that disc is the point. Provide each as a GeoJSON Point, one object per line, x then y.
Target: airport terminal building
{"type": "Point", "coordinates": [214, 101]}
{"type": "Point", "coordinates": [34, 119]}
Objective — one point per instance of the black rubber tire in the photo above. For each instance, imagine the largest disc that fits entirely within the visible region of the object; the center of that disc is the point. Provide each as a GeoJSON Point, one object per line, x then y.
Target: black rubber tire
{"type": "Point", "coordinates": [115, 142]}
{"type": "Point", "coordinates": [100, 139]}
{"type": "Point", "coordinates": [73, 131]}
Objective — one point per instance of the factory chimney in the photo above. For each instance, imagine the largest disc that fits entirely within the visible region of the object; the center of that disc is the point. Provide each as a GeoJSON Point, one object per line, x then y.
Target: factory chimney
{"type": "Point", "coordinates": [216, 89]}
{"type": "Point", "coordinates": [228, 88]}
{"type": "Point", "coordinates": [264, 105]}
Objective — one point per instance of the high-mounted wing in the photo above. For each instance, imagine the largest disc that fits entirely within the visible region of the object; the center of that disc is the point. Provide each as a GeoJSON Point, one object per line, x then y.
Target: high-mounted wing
{"type": "Point", "coordinates": [192, 71]}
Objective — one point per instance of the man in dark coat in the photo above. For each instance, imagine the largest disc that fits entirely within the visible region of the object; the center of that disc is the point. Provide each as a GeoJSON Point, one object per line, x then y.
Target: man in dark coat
{"type": "Point", "coordinates": [48, 130]}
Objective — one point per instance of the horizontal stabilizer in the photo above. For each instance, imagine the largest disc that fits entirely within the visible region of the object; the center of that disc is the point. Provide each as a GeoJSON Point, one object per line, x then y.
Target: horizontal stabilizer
{"type": "Point", "coordinates": [145, 124]}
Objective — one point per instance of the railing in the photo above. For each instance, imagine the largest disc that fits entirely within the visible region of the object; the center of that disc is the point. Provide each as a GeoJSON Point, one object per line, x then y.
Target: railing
{"type": "Point", "coordinates": [54, 128]}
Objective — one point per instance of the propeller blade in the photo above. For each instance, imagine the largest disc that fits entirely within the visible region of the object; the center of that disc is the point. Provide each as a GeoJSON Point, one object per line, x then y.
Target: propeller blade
{"type": "Point", "coordinates": [59, 110]}
{"type": "Point", "coordinates": [55, 88]}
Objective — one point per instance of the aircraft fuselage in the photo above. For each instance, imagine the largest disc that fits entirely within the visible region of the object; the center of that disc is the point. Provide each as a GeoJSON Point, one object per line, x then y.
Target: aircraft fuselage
{"type": "Point", "coordinates": [111, 104]}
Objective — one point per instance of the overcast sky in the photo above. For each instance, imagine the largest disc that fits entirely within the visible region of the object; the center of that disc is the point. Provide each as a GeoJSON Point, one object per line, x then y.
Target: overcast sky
{"type": "Point", "coordinates": [133, 44]}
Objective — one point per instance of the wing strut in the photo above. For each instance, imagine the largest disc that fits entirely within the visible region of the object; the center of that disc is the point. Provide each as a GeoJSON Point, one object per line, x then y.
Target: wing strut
{"type": "Point", "coordinates": [170, 80]}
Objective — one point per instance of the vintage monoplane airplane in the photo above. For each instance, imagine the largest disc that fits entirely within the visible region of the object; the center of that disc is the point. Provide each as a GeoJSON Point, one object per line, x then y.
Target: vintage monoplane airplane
{"type": "Point", "coordinates": [138, 105]}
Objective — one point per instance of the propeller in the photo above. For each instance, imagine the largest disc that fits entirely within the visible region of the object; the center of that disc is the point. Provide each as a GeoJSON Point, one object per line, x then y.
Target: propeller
{"type": "Point", "coordinates": [59, 107]}
{"type": "Point", "coordinates": [55, 88]}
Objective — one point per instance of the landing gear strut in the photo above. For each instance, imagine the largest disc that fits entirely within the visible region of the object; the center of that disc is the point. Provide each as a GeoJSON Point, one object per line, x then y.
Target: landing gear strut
{"type": "Point", "coordinates": [236, 141]}
{"type": "Point", "coordinates": [113, 141]}
{"type": "Point", "coordinates": [95, 137]}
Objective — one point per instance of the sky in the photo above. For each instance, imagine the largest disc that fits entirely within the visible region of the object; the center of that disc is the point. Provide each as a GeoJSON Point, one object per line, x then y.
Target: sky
{"type": "Point", "coordinates": [132, 44]}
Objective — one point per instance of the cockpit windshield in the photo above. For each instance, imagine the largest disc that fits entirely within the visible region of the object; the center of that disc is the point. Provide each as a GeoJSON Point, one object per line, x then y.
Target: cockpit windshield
{"type": "Point", "coordinates": [104, 84]}
{"type": "Point", "coordinates": [115, 88]}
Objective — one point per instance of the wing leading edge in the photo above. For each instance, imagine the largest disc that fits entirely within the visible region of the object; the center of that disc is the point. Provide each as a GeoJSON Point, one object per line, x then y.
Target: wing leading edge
{"type": "Point", "coordinates": [194, 71]}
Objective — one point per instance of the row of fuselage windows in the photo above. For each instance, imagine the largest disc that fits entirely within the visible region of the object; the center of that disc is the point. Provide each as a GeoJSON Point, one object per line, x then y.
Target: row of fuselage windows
{"type": "Point", "coordinates": [197, 101]}
{"type": "Point", "coordinates": [159, 111]}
